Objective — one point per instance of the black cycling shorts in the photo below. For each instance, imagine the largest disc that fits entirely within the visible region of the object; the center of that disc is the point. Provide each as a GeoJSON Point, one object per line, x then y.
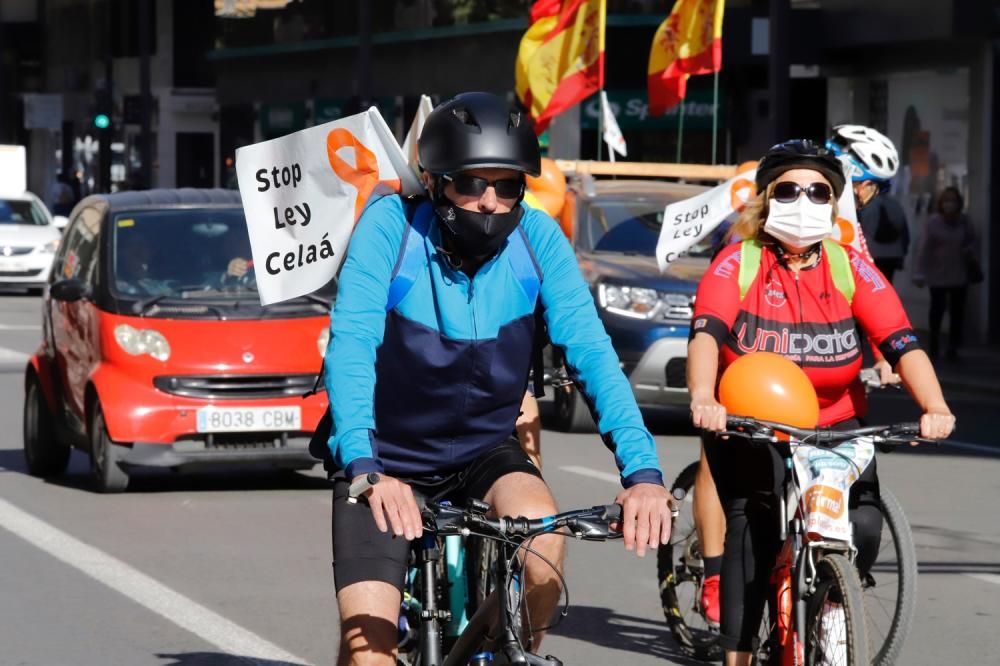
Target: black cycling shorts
{"type": "Point", "coordinates": [362, 553]}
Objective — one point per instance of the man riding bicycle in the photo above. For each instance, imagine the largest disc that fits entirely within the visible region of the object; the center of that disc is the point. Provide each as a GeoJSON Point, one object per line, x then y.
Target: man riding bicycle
{"type": "Point", "coordinates": [788, 289]}
{"type": "Point", "coordinates": [428, 361]}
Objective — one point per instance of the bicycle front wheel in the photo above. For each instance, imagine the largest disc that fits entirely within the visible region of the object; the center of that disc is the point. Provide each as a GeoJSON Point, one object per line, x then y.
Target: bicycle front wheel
{"type": "Point", "coordinates": [680, 573]}
{"type": "Point", "coordinates": [890, 588]}
{"type": "Point", "coordinates": [835, 616]}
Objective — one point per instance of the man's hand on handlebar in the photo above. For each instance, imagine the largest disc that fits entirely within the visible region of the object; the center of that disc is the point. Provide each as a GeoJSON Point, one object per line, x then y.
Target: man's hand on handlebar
{"type": "Point", "coordinates": [393, 506]}
{"type": "Point", "coordinates": [708, 413]}
{"type": "Point", "coordinates": [645, 516]}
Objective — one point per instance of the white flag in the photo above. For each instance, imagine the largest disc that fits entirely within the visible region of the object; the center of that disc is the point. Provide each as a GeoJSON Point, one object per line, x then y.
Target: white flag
{"type": "Point", "coordinates": [304, 192]}
{"type": "Point", "coordinates": [416, 127]}
{"type": "Point", "coordinates": [687, 222]}
{"type": "Point", "coordinates": [612, 134]}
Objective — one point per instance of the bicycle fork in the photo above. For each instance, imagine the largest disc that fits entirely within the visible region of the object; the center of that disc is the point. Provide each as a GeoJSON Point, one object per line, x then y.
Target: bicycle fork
{"type": "Point", "coordinates": [431, 617]}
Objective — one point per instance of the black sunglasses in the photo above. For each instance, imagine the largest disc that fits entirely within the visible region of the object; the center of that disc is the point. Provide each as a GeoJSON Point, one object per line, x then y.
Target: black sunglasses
{"type": "Point", "coordinates": [474, 186]}
{"type": "Point", "coordinates": [787, 192]}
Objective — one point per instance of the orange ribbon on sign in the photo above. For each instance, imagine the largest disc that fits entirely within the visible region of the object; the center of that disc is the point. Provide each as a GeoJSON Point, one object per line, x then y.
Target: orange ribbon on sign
{"type": "Point", "coordinates": [741, 191]}
{"type": "Point", "coordinates": [363, 175]}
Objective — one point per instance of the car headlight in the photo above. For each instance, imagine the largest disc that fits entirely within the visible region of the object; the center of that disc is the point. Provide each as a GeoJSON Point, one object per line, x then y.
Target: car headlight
{"type": "Point", "coordinates": [322, 341]}
{"type": "Point", "coordinates": [50, 247]}
{"type": "Point", "coordinates": [637, 302]}
{"type": "Point", "coordinates": [644, 303]}
{"type": "Point", "coordinates": [138, 341]}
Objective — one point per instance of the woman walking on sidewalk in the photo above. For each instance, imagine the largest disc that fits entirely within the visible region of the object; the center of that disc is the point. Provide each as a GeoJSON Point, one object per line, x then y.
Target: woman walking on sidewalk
{"type": "Point", "coordinates": [948, 262]}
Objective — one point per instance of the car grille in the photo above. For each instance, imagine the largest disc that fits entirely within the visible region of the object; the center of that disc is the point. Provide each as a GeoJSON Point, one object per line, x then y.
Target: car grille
{"type": "Point", "coordinates": [677, 373]}
{"type": "Point", "coordinates": [32, 273]}
{"type": "Point", "coordinates": [679, 307]}
{"type": "Point", "coordinates": [12, 251]}
{"type": "Point", "coordinates": [234, 441]}
{"type": "Point", "coordinates": [236, 386]}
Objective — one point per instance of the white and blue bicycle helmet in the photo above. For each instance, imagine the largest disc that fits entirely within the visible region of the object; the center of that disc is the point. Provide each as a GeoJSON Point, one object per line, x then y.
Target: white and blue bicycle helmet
{"type": "Point", "coordinates": [871, 155]}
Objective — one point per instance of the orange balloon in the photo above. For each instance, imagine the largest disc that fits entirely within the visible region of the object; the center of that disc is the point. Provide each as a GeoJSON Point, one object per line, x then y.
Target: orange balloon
{"type": "Point", "coordinates": [768, 386]}
{"type": "Point", "coordinates": [552, 179]}
{"type": "Point", "coordinates": [550, 202]}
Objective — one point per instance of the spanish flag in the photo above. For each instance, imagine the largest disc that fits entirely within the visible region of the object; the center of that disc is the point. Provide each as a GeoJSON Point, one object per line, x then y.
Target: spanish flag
{"type": "Point", "coordinates": [561, 58]}
{"type": "Point", "coordinates": [688, 42]}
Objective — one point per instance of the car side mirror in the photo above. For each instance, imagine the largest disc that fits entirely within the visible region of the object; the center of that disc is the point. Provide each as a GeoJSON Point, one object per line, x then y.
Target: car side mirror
{"type": "Point", "coordinates": [70, 291]}
{"type": "Point", "coordinates": [60, 222]}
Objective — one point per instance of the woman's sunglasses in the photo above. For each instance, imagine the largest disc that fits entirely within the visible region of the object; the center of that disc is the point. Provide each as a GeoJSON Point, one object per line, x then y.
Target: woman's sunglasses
{"type": "Point", "coordinates": [788, 192]}
{"type": "Point", "coordinates": [474, 186]}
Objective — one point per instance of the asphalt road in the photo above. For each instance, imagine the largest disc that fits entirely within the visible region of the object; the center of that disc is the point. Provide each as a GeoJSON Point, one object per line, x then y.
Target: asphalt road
{"type": "Point", "coordinates": [227, 568]}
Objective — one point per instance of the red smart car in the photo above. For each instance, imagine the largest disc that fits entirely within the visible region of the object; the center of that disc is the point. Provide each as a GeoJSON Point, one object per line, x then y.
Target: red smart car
{"type": "Point", "coordinates": [156, 350]}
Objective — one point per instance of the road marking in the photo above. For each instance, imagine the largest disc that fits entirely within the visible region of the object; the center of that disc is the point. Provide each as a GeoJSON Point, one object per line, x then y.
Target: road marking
{"type": "Point", "coordinates": [12, 356]}
{"type": "Point", "coordinates": [989, 578]}
{"type": "Point", "coordinates": [20, 327]}
{"type": "Point", "coordinates": [982, 448]}
{"type": "Point", "coordinates": [593, 473]}
{"type": "Point", "coordinates": [137, 586]}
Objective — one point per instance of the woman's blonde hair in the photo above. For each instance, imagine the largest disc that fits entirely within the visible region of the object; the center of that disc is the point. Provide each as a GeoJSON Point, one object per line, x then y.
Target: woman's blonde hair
{"type": "Point", "coordinates": [750, 223]}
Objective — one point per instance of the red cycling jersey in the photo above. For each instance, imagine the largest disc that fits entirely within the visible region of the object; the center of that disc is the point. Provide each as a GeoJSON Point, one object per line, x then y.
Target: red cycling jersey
{"type": "Point", "coordinates": [803, 317]}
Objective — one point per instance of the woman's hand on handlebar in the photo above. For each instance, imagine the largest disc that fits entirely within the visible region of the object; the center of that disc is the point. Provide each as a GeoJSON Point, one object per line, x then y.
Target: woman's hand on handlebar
{"type": "Point", "coordinates": [937, 423]}
{"type": "Point", "coordinates": [394, 506]}
{"type": "Point", "coordinates": [708, 413]}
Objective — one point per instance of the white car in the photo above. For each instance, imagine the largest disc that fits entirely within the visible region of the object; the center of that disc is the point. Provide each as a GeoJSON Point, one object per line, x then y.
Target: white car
{"type": "Point", "coordinates": [29, 237]}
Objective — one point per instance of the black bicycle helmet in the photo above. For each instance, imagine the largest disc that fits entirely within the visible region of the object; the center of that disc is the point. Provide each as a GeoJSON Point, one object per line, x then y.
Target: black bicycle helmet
{"type": "Point", "coordinates": [800, 154]}
{"type": "Point", "coordinates": [478, 130]}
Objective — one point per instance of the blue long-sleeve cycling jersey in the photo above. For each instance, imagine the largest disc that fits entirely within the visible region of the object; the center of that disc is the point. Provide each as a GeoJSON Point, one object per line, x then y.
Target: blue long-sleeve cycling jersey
{"type": "Point", "coordinates": [429, 385]}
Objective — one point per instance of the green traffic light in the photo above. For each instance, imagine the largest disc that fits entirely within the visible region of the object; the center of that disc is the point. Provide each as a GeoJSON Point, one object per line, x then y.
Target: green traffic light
{"type": "Point", "coordinates": [102, 121]}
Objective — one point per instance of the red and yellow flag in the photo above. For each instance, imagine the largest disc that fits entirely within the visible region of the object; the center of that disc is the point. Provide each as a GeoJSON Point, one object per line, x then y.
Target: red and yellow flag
{"type": "Point", "coordinates": [561, 58]}
{"type": "Point", "coordinates": [688, 42]}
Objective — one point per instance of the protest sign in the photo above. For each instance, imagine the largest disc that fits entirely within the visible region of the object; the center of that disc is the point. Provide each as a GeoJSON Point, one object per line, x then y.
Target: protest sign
{"type": "Point", "coordinates": [410, 142]}
{"type": "Point", "coordinates": [304, 192]}
{"type": "Point", "coordinates": [687, 222]}
{"type": "Point", "coordinates": [14, 167]}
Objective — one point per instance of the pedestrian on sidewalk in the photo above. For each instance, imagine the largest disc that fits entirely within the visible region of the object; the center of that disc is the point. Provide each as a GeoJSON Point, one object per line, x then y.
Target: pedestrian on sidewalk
{"type": "Point", "coordinates": [884, 224]}
{"type": "Point", "coordinates": [948, 262]}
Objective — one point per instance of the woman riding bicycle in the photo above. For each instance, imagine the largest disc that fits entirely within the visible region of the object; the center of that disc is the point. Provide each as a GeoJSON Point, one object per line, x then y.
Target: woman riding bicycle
{"type": "Point", "coordinates": [788, 289]}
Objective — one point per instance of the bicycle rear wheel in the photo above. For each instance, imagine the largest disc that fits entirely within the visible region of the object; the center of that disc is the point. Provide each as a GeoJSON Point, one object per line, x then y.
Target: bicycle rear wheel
{"type": "Point", "coordinates": [835, 616]}
{"type": "Point", "coordinates": [680, 573]}
{"type": "Point", "coordinates": [890, 588]}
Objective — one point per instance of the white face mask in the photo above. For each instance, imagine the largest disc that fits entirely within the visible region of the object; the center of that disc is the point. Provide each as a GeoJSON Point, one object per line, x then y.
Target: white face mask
{"type": "Point", "coordinates": [800, 223]}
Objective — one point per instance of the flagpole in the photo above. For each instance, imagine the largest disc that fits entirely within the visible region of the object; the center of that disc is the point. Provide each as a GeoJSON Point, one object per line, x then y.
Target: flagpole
{"type": "Point", "coordinates": [715, 115]}
{"type": "Point", "coordinates": [680, 132]}
{"type": "Point", "coordinates": [600, 123]}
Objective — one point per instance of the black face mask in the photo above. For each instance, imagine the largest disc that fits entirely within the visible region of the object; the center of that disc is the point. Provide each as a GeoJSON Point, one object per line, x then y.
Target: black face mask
{"type": "Point", "coordinates": [473, 235]}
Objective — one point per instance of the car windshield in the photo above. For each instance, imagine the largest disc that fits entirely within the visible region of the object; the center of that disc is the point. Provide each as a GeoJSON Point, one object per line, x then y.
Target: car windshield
{"type": "Point", "coordinates": [21, 211]}
{"type": "Point", "coordinates": [629, 225]}
{"type": "Point", "coordinates": [192, 254]}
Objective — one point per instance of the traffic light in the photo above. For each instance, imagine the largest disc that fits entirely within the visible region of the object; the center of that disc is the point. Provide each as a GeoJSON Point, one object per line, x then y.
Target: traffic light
{"type": "Point", "coordinates": [102, 121]}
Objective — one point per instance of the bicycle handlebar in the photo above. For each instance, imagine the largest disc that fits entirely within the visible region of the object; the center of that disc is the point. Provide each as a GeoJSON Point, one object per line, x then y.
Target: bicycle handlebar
{"type": "Point", "coordinates": [593, 524]}
{"type": "Point", "coordinates": [758, 430]}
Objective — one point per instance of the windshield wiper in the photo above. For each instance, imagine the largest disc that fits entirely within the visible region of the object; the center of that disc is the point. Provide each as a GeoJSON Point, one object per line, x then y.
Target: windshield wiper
{"type": "Point", "coordinates": [313, 298]}
{"type": "Point", "coordinates": [141, 307]}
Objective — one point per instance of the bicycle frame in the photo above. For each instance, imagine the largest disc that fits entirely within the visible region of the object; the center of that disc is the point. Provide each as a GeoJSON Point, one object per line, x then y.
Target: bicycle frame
{"type": "Point", "coordinates": [794, 572]}
{"type": "Point", "coordinates": [490, 636]}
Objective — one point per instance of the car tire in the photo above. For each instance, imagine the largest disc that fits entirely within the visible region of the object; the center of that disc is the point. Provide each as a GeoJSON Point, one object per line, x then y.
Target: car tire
{"type": "Point", "coordinates": [105, 469]}
{"type": "Point", "coordinates": [44, 454]}
{"type": "Point", "coordinates": [571, 412]}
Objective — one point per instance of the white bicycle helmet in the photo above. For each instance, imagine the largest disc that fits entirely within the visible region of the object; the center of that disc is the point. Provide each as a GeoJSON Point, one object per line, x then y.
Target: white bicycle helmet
{"type": "Point", "coordinates": [871, 154]}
